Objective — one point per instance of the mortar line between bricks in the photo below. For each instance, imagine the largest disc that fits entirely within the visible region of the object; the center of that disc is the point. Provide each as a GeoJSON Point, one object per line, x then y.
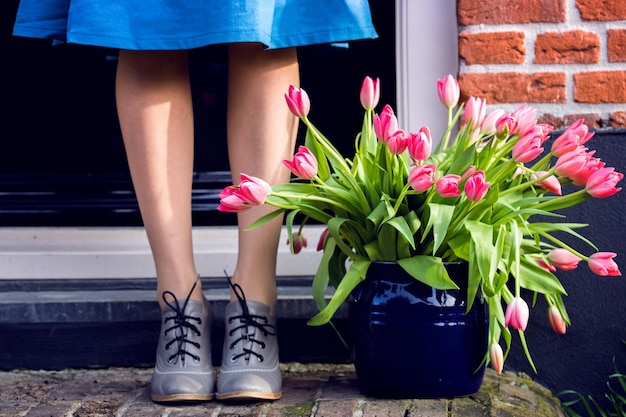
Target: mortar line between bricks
{"type": "Point", "coordinates": [217, 411]}
{"type": "Point", "coordinates": [318, 397]}
{"type": "Point", "coordinates": [73, 408]}
{"type": "Point", "coordinates": [124, 407]}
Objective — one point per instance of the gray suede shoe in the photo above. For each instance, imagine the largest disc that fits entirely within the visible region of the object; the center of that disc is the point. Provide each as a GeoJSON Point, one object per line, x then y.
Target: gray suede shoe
{"type": "Point", "coordinates": [183, 370]}
{"type": "Point", "coordinates": [250, 368]}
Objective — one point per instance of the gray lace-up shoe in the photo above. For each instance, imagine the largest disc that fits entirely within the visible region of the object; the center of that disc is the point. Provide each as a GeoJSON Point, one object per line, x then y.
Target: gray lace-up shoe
{"type": "Point", "coordinates": [250, 369]}
{"type": "Point", "coordinates": [183, 370]}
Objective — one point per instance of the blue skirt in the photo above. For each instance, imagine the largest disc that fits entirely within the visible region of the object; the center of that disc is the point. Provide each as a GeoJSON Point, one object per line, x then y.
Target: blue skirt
{"type": "Point", "coordinates": [187, 24]}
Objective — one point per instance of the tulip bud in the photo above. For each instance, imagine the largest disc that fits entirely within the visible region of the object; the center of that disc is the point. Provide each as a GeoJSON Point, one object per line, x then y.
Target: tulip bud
{"type": "Point", "coordinates": [475, 111]}
{"type": "Point", "coordinates": [563, 259]}
{"type": "Point", "coordinates": [298, 241]}
{"type": "Point", "coordinates": [385, 124]}
{"type": "Point", "coordinates": [398, 142]}
{"type": "Point", "coordinates": [497, 357]}
{"type": "Point", "coordinates": [601, 184]}
{"type": "Point", "coordinates": [556, 320]}
{"type": "Point", "coordinates": [420, 144]}
{"type": "Point", "coordinates": [448, 185]}
{"type": "Point", "coordinates": [476, 187]}
{"type": "Point", "coordinates": [527, 148]}
{"type": "Point", "coordinates": [322, 241]}
{"type": "Point", "coordinates": [303, 164]}
{"type": "Point", "coordinates": [370, 93]}
{"type": "Point", "coordinates": [422, 177]}
{"type": "Point", "coordinates": [517, 314]}
{"type": "Point", "coordinates": [253, 190]}
{"type": "Point", "coordinates": [298, 101]}
{"type": "Point", "coordinates": [601, 263]}
{"type": "Point", "coordinates": [550, 183]}
{"type": "Point", "coordinates": [488, 126]}
{"type": "Point", "coordinates": [449, 91]}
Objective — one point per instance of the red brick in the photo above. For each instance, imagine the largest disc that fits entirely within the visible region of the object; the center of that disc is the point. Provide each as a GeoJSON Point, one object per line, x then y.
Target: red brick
{"type": "Point", "coordinates": [618, 119]}
{"type": "Point", "coordinates": [602, 9]}
{"type": "Point", "coordinates": [513, 87]}
{"type": "Point", "coordinates": [616, 40]}
{"type": "Point", "coordinates": [573, 47]}
{"type": "Point", "coordinates": [600, 87]}
{"type": "Point", "coordinates": [592, 120]}
{"type": "Point", "coordinates": [492, 48]}
{"type": "Point", "coordinates": [475, 12]}
{"type": "Point", "coordinates": [551, 119]}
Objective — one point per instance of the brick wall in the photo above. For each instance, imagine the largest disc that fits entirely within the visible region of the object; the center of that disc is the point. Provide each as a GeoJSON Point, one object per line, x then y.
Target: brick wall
{"type": "Point", "coordinates": [566, 58]}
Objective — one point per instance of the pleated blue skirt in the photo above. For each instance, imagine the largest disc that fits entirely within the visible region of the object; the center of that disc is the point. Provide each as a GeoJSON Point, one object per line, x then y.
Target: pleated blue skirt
{"type": "Point", "coordinates": [188, 24]}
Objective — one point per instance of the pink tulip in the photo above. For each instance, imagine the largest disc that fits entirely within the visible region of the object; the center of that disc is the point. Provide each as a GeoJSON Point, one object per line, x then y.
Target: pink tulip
{"type": "Point", "coordinates": [385, 124]}
{"type": "Point", "coordinates": [448, 186]}
{"type": "Point", "coordinates": [468, 173]}
{"type": "Point", "coordinates": [575, 135]}
{"type": "Point", "coordinates": [230, 202]}
{"type": "Point", "coordinates": [489, 123]}
{"type": "Point", "coordinates": [398, 142]}
{"type": "Point", "coordinates": [556, 320]}
{"type": "Point", "coordinates": [544, 130]}
{"type": "Point", "coordinates": [496, 357]}
{"type": "Point", "coordinates": [303, 164]}
{"type": "Point", "coordinates": [476, 187]}
{"type": "Point", "coordinates": [601, 184]}
{"type": "Point", "coordinates": [526, 120]}
{"type": "Point", "coordinates": [322, 240]}
{"type": "Point", "coordinates": [299, 241]}
{"type": "Point", "coordinates": [563, 259]}
{"type": "Point", "coordinates": [298, 101]}
{"type": "Point", "coordinates": [253, 190]}
{"type": "Point", "coordinates": [550, 183]}
{"type": "Point", "coordinates": [517, 314]}
{"type": "Point", "coordinates": [527, 148]}
{"type": "Point", "coordinates": [592, 165]}
{"type": "Point", "coordinates": [420, 144]}
{"type": "Point", "coordinates": [370, 93]}
{"type": "Point", "coordinates": [475, 111]}
{"type": "Point", "coordinates": [449, 91]}
{"type": "Point", "coordinates": [507, 122]}
{"type": "Point", "coordinates": [569, 164]}
{"type": "Point", "coordinates": [543, 264]}
{"type": "Point", "coordinates": [422, 177]}
{"type": "Point", "coordinates": [601, 263]}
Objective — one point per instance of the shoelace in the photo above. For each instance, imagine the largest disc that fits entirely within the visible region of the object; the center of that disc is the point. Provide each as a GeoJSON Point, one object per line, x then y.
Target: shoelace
{"type": "Point", "coordinates": [248, 320]}
{"type": "Point", "coordinates": [182, 324]}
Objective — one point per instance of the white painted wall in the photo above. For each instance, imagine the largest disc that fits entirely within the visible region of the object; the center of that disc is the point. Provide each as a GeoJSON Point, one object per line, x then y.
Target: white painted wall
{"type": "Point", "coordinates": [426, 50]}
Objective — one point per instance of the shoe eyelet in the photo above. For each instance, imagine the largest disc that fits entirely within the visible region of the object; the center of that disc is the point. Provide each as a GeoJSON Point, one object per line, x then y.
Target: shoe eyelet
{"type": "Point", "coordinates": [262, 345]}
{"type": "Point", "coordinates": [261, 359]}
{"type": "Point", "coordinates": [232, 346]}
{"type": "Point", "coordinates": [233, 359]}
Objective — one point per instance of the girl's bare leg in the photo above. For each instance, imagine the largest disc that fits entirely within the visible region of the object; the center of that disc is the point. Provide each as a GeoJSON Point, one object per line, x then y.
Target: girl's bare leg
{"type": "Point", "coordinates": [156, 118]}
{"type": "Point", "coordinates": [261, 133]}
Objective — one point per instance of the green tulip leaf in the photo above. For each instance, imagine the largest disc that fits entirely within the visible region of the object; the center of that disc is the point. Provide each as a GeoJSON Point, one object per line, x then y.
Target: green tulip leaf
{"type": "Point", "coordinates": [355, 274]}
{"type": "Point", "coordinates": [429, 270]}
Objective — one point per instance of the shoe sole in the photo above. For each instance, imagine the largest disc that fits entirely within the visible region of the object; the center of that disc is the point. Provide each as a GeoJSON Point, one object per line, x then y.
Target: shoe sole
{"type": "Point", "coordinates": [248, 396]}
{"type": "Point", "coordinates": [178, 398]}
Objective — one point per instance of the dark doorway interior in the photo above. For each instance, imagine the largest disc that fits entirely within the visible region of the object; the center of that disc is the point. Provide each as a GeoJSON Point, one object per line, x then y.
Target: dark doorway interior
{"type": "Point", "coordinates": [62, 161]}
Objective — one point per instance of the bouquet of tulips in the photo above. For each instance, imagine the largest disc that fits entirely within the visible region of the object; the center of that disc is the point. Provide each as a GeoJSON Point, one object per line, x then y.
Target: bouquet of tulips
{"type": "Point", "coordinates": [481, 196]}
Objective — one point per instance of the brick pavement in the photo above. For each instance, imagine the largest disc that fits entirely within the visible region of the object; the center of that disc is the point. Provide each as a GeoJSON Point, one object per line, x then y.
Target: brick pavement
{"type": "Point", "coordinates": [313, 390]}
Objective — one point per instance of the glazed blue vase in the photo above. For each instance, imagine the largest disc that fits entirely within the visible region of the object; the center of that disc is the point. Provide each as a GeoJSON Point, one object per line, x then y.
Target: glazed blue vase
{"type": "Point", "coordinates": [412, 341]}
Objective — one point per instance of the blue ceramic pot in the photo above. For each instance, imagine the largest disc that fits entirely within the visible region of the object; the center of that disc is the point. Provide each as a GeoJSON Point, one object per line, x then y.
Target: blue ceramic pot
{"type": "Point", "coordinates": [412, 341]}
